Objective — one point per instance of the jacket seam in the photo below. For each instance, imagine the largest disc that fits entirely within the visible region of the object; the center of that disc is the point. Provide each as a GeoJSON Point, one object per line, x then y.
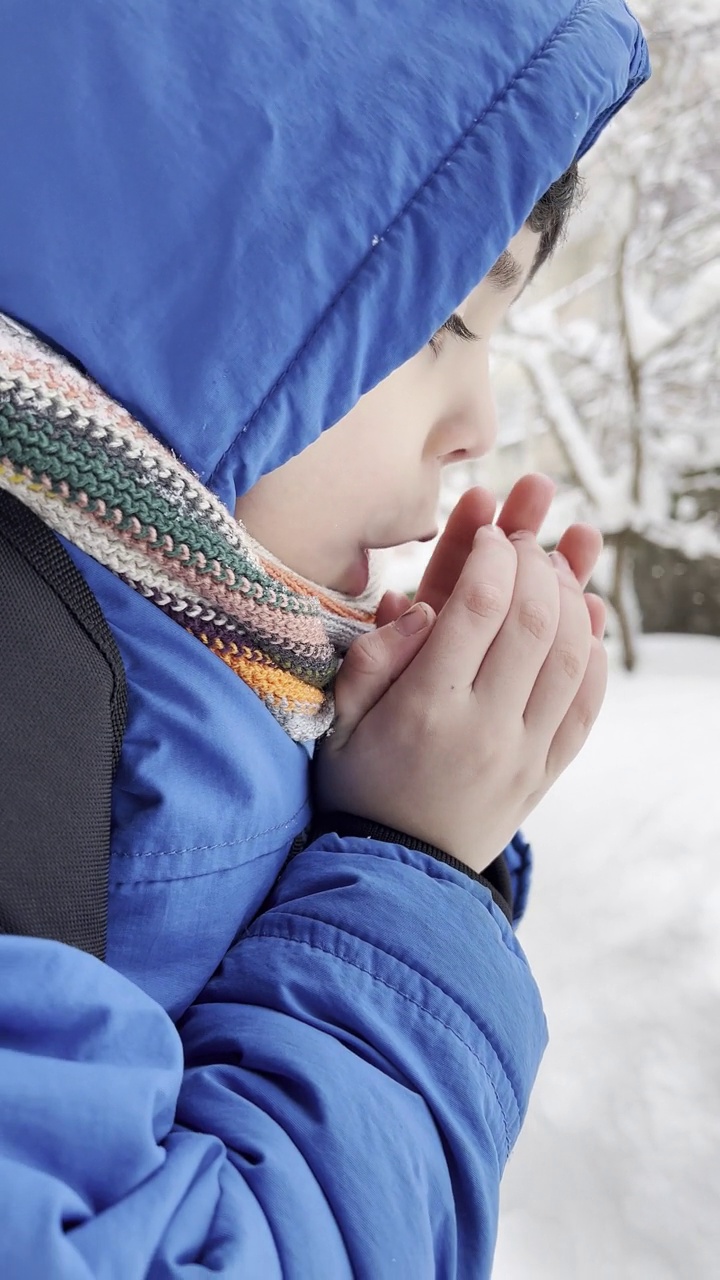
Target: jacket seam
{"type": "Point", "coordinates": [204, 848]}
{"type": "Point", "coordinates": [203, 874]}
{"type": "Point", "coordinates": [267, 932]}
{"type": "Point", "coordinates": [437, 171]}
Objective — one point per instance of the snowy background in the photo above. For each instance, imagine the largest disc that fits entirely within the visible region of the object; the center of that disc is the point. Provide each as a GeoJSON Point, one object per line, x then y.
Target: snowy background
{"type": "Point", "coordinates": [606, 379]}
{"type": "Point", "coordinates": [616, 1174]}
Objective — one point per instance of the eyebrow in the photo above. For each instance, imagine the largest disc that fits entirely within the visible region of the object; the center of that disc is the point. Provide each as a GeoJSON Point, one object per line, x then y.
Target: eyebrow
{"type": "Point", "coordinates": [507, 272]}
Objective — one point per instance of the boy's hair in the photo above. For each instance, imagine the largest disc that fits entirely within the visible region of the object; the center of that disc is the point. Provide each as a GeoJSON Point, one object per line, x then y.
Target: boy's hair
{"type": "Point", "coordinates": [548, 220]}
{"type": "Point", "coordinates": [550, 216]}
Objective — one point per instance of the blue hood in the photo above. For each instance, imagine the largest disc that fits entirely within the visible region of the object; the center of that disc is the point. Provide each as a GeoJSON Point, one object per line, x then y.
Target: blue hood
{"type": "Point", "coordinates": [235, 253]}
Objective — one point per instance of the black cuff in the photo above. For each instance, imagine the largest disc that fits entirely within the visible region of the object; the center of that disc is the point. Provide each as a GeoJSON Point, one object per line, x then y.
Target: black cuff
{"type": "Point", "coordinates": [496, 877]}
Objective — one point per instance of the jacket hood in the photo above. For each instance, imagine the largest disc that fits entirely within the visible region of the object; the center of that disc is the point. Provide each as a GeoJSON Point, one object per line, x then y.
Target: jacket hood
{"type": "Point", "coordinates": [240, 218]}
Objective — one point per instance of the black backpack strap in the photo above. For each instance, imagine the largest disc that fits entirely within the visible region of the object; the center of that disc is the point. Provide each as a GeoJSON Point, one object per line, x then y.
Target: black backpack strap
{"type": "Point", "coordinates": [63, 704]}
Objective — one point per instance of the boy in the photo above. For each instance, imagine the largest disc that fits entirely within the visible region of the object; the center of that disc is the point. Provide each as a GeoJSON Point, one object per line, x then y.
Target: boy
{"type": "Point", "coordinates": [241, 235]}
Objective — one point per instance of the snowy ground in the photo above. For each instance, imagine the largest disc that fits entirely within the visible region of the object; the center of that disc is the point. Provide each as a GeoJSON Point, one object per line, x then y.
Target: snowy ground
{"type": "Point", "coordinates": [616, 1175]}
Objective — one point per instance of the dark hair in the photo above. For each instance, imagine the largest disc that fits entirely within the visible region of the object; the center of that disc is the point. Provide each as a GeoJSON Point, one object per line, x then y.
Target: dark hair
{"type": "Point", "coordinates": [550, 216]}
{"type": "Point", "coordinates": [549, 220]}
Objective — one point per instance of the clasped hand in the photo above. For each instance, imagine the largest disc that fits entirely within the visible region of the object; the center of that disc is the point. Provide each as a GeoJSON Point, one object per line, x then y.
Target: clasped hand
{"type": "Point", "coordinates": [454, 732]}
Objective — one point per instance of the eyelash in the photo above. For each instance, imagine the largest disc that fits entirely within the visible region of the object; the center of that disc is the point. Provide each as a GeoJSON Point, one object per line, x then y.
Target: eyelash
{"type": "Point", "coordinates": [455, 325]}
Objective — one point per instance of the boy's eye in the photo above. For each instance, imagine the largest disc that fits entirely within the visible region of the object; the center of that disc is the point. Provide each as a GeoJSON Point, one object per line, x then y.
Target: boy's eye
{"type": "Point", "coordinates": [455, 325]}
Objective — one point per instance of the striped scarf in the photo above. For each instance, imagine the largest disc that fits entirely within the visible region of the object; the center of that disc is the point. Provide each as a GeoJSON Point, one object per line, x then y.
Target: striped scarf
{"type": "Point", "coordinates": [94, 474]}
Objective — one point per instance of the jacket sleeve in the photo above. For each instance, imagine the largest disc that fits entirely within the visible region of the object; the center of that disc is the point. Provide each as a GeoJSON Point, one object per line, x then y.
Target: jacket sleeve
{"type": "Point", "coordinates": [339, 1102]}
{"type": "Point", "coordinates": [496, 877]}
{"type": "Point", "coordinates": [518, 860]}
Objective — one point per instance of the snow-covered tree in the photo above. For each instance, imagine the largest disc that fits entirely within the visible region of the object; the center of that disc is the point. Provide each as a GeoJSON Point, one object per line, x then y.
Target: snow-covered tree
{"type": "Point", "coordinates": [616, 365]}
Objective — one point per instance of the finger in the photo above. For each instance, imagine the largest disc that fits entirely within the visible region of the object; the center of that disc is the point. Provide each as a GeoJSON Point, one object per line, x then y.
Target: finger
{"type": "Point", "coordinates": [391, 606]}
{"type": "Point", "coordinates": [476, 507]}
{"type": "Point", "coordinates": [527, 504]}
{"type": "Point", "coordinates": [581, 544]}
{"type": "Point", "coordinates": [471, 618]}
{"type": "Point", "coordinates": [371, 665]}
{"type": "Point", "coordinates": [598, 614]}
{"type": "Point", "coordinates": [564, 668]}
{"type": "Point", "coordinates": [525, 507]}
{"type": "Point", "coordinates": [512, 665]}
{"type": "Point", "coordinates": [582, 714]}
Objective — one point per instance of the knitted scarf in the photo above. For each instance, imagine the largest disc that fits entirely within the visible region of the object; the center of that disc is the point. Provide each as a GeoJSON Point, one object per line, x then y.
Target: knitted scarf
{"type": "Point", "coordinates": [93, 473]}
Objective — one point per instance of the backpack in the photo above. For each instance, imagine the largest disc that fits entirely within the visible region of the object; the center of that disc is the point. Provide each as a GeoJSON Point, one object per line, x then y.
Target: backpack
{"type": "Point", "coordinates": [63, 707]}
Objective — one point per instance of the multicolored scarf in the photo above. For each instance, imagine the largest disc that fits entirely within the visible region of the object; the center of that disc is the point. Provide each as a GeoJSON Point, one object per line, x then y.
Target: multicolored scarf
{"type": "Point", "coordinates": [97, 476]}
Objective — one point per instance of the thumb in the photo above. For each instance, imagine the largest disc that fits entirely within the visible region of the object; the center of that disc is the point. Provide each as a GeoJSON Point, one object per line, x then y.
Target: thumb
{"type": "Point", "coordinates": [391, 606]}
{"type": "Point", "coordinates": [373, 662]}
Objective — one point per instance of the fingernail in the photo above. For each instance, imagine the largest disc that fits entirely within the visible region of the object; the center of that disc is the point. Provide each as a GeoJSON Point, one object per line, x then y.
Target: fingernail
{"type": "Point", "coordinates": [412, 621]}
{"type": "Point", "coordinates": [561, 564]}
{"type": "Point", "coordinates": [492, 529]}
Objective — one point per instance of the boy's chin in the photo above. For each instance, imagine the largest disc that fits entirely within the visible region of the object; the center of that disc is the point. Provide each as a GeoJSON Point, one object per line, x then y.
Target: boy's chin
{"type": "Point", "coordinates": [355, 579]}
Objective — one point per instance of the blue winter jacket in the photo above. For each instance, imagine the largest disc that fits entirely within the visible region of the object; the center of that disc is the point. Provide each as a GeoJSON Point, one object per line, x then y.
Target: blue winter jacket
{"type": "Point", "coordinates": [239, 218]}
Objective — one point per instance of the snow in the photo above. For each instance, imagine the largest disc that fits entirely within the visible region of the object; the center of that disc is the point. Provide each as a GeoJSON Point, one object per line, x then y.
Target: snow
{"type": "Point", "coordinates": [702, 296]}
{"type": "Point", "coordinates": [616, 1174]}
{"type": "Point", "coordinates": [648, 332]}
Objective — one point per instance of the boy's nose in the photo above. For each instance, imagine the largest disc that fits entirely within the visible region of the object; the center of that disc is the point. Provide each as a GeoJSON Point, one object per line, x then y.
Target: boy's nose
{"type": "Point", "coordinates": [476, 421]}
{"type": "Point", "coordinates": [483, 425]}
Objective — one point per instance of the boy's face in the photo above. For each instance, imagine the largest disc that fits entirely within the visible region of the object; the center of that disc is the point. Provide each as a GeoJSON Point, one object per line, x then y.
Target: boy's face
{"type": "Point", "coordinates": [373, 479]}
